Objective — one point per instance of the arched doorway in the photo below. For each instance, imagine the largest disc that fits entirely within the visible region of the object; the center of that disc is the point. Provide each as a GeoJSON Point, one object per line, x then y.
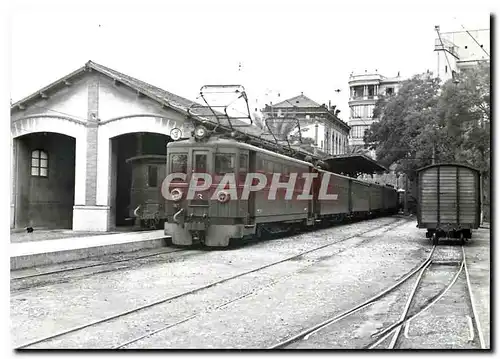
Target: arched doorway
{"type": "Point", "coordinates": [44, 180]}
{"type": "Point", "coordinates": [124, 147]}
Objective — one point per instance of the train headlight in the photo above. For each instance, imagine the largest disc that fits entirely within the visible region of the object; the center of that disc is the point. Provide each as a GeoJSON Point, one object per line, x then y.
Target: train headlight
{"type": "Point", "coordinates": [176, 194]}
{"type": "Point", "coordinates": [176, 134]}
{"type": "Point", "coordinates": [223, 196]}
{"type": "Point", "coordinates": [200, 132]}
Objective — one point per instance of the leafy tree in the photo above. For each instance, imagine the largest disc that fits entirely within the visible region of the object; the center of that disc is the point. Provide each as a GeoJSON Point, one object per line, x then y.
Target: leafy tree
{"type": "Point", "coordinates": [424, 120]}
{"type": "Point", "coordinates": [465, 112]}
{"type": "Point", "coordinates": [407, 125]}
{"type": "Point", "coordinates": [353, 150]}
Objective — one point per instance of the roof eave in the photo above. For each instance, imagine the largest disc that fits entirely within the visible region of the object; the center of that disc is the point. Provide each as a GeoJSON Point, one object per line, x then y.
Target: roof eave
{"type": "Point", "coordinates": [47, 88]}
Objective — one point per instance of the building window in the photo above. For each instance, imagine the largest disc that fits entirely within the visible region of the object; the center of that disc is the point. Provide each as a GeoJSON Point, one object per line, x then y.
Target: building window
{"type": "Point", "coordinates": [371, 91]}
{"type": "Point", "coordinates": [389, 91]}
{"type": "Point", "coordinates": [445, 69]}
{"type": "Point", "coordinates": [357, 91]}
{"type": "Point", "coordinates": [357, 111]}
{"type": "Point", "coordinates": [39, 163]}
{"type": "Point", "coordinates": [358, 131]}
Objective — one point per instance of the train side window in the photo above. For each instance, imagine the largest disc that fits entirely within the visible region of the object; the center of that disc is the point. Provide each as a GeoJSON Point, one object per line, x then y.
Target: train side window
{"type": "Point", "coordinates": [224, 163]}
{"type": "Point", "coordinates": [152, 176]}
{"type": "Point", "coordinates": [285, 172]}
{"type": "Point", "coordinates": [178, 163]}
{"type": "Point", "coordinates": [243, 163]}
{"type": "Point", "coordinates": [243, 167]}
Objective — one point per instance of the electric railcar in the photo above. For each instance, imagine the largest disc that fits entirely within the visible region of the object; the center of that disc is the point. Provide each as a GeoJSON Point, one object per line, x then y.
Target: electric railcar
{"type": "Point", "coordinates": [213, 218]}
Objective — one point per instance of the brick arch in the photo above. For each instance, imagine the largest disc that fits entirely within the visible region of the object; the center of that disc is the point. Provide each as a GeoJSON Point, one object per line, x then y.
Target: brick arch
{"type": "Point", "coordinates": [43, 123]}
{"type": "Point", "coordinates": [138, 123]}
{"type": "Point", "coordinates": [120, 126]}
{"type": "Point", "coordinates": [63, 125]}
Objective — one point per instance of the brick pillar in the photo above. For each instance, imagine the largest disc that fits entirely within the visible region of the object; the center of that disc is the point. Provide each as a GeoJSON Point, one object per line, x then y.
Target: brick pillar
{"type": "Point", "coordinates": [88, 214]}
{"type": "Point", "coordinates": [92, 128]}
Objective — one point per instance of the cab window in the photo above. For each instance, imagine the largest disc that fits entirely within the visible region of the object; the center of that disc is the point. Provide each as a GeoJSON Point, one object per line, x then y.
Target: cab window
{"type": "Point", "coordinates": [178, 163]}
{"type": "Point", "coordinates": [224, 163]}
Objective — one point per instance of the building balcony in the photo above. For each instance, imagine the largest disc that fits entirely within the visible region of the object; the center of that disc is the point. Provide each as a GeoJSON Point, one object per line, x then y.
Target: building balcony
{"type": "Point", "coordinates": [362, 98]}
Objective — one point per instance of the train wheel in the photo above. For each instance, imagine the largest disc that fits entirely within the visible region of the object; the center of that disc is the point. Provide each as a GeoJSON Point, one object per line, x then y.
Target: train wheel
{"type": "Point", "coordinates": [435, 239]}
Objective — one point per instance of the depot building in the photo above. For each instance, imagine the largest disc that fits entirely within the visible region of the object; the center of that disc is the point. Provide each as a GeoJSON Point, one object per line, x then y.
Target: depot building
{"type": "Point", "coordinates": [70, 141]}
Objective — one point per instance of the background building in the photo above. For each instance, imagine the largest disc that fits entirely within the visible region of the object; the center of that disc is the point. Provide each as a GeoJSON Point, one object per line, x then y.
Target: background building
{"type": "Point", "coordinates": [365, 90]}
{"type": "Point", "coordinates": [320, 125]}
{"type": "Point", "coordinates": [456, 51]}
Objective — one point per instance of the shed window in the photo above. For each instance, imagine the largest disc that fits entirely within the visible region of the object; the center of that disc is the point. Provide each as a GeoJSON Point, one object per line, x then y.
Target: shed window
{"type": "Point", "coordinates": [39, 163]}
{"type": "Point", "coordinates": [152, 176]}
{"type": "Point", "coordinates": [224, 163]}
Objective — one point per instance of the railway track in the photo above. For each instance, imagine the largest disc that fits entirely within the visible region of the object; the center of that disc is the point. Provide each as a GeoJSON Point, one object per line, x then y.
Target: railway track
{"type": "Point", "coordinates": [392, 333]}
{"type": "Point", "coordinates": [124, 314]}
{"type": "Point", "coordinates": [104, 263]}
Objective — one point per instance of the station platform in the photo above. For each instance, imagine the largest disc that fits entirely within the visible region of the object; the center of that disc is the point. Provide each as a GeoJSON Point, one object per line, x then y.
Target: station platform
{"type": "Point", "coordinates": [44, 252]}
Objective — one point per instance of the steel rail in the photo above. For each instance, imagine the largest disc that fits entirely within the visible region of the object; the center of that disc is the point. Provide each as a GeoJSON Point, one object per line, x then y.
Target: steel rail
{"type": "Point", "coordinates": [305, 334]}
{"type": "Point", "coordinates": [170, 298]}
{"type": "Point", "coordinates": [397, 333]}
{"type": "Point", "coordinates": [153, 332]}
{"type": "Point", "coordinates": [94, 265]}
{"type": "Point", "coordinates": [385, 333]}
{"type": "Point", "coordinates": [471, 297]}
{"type": "Point", "coordinates": [408, 303]}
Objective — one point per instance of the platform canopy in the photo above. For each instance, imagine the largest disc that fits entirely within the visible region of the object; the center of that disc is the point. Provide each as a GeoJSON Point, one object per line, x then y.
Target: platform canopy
{"type": "Point", "coordinates": [354, 165]}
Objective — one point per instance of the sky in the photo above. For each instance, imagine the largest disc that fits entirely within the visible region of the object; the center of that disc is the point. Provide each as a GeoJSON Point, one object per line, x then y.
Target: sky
{"type": "Point", "coordinates": [284, 47]}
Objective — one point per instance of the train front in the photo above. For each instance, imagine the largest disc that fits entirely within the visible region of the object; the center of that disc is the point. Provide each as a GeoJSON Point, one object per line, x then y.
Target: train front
{"type": "Point", "coordinates": [199, 211]}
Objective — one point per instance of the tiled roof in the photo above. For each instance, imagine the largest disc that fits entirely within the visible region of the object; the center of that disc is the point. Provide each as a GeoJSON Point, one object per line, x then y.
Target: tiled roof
{"type": "Point", "coordinates": [298, 101]}
{"type": "Point", "coordinates": [164, 97]}
{"type": "Point", "coordinates": [175, 101]}
{"type": "Point", "coordinates": [149, 90]}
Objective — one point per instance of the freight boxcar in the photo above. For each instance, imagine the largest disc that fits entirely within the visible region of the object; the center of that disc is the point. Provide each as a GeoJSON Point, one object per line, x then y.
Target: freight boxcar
{"type": "Point", "coordinates": [449, 201]}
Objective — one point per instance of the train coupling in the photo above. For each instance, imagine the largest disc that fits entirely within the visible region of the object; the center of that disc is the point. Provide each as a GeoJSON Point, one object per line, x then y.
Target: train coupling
{"type": "Point", "coordinates": [198, 237]}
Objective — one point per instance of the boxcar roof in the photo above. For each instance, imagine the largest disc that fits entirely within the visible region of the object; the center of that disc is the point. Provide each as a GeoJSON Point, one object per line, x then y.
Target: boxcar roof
{"type": "Point", "coordinates": [448, 165]}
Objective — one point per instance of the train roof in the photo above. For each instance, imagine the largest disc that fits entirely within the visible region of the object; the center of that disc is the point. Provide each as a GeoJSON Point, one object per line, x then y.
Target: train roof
{"type": "Point", "coordinates": [217, 141]}
{"type": "Point", "coordinates": [448, 164]}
